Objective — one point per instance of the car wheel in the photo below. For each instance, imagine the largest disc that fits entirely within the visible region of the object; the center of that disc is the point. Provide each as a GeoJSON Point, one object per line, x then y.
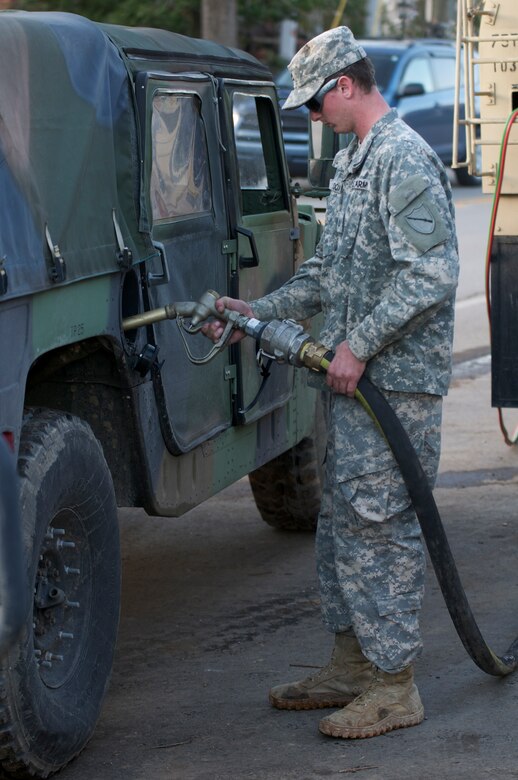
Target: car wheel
{"type": "Point", "coordinates": [287, 490]}
{"type": "Point", "coordinates": [54, 679]}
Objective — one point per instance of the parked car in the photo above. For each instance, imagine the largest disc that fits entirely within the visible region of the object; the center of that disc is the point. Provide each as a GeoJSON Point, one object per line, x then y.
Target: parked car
{"type": "Point", "coordinates": [416, 77]}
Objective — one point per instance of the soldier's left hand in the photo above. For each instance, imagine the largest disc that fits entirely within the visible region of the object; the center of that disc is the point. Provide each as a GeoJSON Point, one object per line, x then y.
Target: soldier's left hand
{"type": "Point", "coordinates": [344, 370]}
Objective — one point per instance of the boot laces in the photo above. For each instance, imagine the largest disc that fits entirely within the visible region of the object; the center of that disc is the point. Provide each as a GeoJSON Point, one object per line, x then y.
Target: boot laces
{"type": "Point", "coordinates": [323, 672]}
{"type": "Point", "coordinates": [371, 693]}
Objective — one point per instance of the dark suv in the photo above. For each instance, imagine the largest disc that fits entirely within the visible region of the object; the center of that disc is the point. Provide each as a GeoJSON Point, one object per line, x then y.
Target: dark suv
{"type": "Point", "coordinates": [416, 77]}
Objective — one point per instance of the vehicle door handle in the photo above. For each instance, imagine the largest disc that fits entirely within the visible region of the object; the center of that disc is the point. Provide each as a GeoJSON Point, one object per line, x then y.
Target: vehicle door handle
{"type": "Point", "coordinates": [248, 262]}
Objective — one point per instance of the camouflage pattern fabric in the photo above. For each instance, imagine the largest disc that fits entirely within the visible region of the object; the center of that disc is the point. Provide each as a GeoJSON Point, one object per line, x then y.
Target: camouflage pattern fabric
{"type": "Point", "coordinates": [370, 557]}
{"type": "Point", "coordinates": [384, 275]}
{"type": "Point", "coordinates": [385, 270]}
{"type": "Point", "coordinates": [320, 58]}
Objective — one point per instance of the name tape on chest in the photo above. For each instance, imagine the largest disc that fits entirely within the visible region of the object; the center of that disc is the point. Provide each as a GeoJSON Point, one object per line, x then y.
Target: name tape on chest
{"type": "Point", "coordinates": [338, 186]}
{"type": "Point", "coordinates": [361, 184]}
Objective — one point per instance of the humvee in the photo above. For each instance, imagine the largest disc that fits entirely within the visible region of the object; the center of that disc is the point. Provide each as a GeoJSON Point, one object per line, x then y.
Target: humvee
{"type": "Point", "coordinates": [123, 189]}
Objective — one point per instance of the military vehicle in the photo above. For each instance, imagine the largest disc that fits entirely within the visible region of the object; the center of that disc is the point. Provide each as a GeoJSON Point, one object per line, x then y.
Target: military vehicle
{"type": "Point", "coordinates": [123, 190]}
{"type": "Point", "coordinates": [487, 47]}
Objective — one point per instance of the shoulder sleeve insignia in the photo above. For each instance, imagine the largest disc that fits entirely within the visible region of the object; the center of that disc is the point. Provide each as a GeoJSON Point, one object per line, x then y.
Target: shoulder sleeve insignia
{"type": "Point", "coordinates": [421, 219]}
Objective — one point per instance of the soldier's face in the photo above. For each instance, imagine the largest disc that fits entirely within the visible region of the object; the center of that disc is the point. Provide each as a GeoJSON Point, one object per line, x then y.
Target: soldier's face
{"type": "Point", "coordinates": [336, 109]}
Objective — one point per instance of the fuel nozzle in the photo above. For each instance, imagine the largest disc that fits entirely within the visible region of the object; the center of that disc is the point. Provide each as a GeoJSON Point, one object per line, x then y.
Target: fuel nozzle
{"type": "Point", "coordinates": [285, 341]}
{"type": "Point", "coordinates": [205, 308]}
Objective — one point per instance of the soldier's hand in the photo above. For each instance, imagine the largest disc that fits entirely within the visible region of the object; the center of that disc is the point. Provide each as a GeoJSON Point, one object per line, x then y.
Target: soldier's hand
{"type": "Point", "coordinates": [344, 370]}
{"type": "Point", "coordinates": [214, 330]}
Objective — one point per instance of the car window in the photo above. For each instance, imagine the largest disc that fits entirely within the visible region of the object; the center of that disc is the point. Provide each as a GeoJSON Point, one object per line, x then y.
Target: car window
{"type": "Point", "coordinates": [180, 179]}
{"type": "Point", "coordinates": [384, 66]}
{"type": "Point", "coordinates": [259, 164]}
{"type": "Point", "coordinates": [417, 71]}
{"type": "Point", "coordinates": [284, 79]}
{"type": "Point", "coordinates": [444, 72]}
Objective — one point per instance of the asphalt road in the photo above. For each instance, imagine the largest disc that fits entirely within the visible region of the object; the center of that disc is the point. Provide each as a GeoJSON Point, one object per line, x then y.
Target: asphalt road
{"type": "Point", "coordinates": [217, 607]}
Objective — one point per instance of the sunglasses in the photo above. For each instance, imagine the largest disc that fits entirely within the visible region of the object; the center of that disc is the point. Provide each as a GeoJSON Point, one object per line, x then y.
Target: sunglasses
{"type": "Point", "coordinates": [315, 103]}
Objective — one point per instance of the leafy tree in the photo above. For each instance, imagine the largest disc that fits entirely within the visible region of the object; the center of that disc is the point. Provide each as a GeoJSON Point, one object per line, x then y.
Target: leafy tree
{"type": "Point", "coordinates": [183, 16]}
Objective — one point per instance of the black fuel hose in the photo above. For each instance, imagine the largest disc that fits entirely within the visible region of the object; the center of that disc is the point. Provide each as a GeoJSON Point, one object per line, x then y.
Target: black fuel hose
{"type": "Point", "coordinates": [424, 505]}
{"type": "Point", "coordinates": [433, 531]}
{"type": "Point", "coordinates": [434, 535]}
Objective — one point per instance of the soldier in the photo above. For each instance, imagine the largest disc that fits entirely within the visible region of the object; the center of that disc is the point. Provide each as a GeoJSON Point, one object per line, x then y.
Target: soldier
{"type": "Point", "coordinates": [384, 275]}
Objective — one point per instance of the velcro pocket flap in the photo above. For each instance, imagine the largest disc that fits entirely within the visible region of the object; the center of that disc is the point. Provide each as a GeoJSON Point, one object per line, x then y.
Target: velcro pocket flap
{"type": "Point", "coordinates": [407, 192]}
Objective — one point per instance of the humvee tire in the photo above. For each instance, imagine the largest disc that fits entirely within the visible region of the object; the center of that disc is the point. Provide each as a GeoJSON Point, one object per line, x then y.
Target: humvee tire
{"type": "Point", "coordinates": [287, 490]}
{"type": "Point", "coordinates": [53, 681]}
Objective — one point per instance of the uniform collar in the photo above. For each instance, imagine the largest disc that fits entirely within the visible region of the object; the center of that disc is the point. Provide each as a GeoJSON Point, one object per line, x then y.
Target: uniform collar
{"type": "Point", "coordinates": [354, 156]}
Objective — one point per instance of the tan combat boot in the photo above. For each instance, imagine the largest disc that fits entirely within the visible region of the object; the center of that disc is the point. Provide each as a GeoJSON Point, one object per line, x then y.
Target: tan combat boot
{"type": "Point", "coordinates": [345, 677]}
{"type": "Point", "coordinates": [391, 702]}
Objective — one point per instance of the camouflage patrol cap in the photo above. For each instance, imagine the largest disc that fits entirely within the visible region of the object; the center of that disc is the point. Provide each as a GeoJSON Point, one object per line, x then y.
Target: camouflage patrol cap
{"type": "Point", "coordinates": [321, 57]}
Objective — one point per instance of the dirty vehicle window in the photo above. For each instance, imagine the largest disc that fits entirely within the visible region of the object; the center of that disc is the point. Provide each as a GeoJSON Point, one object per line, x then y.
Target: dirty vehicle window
{"type": "Point", "coordinates": [180, 179]}
{"type": "Point", "coordinates": [259, 174]}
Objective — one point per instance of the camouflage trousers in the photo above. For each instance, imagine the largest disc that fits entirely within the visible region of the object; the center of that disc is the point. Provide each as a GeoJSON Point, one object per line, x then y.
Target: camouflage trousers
{"type": "Point", "coordinates": [369, 551]}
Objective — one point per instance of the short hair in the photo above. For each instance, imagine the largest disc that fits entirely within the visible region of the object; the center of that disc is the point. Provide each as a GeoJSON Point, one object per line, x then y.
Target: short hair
{"type": "Point", "coordinates": [361, 72]}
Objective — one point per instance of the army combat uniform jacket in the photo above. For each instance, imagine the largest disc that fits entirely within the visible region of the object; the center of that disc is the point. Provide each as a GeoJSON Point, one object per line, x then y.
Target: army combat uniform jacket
{"type": "Point", "coordinates": [384, 275]}
{"type": "Point", "coordinates": [385, 270]}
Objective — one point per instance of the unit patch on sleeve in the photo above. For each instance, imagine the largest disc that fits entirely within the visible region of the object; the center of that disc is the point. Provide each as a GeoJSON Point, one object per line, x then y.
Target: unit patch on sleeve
{"type": "Point", "coordinates": [417, 215]}
{"type": "Point", "coordinates": [421, 219]}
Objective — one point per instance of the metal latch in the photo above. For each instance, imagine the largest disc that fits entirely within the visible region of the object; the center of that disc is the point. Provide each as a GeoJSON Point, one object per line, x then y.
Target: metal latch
{"type": "Point", "coordinates": [229, 247]}
{"type": "Point", "coordinates": [155, 279]}
{"type": "Point", "coordinates": [58, 268]}
{"type": "Point", "coordinates": [124, 255]}
{"type": "Point", "coordinates": [230, 374]}
{"type": "Point", "coordinates": [4, 281]}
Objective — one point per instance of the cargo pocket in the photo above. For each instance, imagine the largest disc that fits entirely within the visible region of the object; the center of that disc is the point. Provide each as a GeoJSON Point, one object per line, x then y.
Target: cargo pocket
{"type": "Point", "coordinates": [403, 602]}
{"type": "Point", "coordinates": [377, 496]}
{"type": "Point", "coordinates": [398, 628]}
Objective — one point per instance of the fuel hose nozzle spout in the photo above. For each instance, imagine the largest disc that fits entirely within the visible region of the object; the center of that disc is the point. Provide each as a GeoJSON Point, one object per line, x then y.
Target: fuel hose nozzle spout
{"type": "Point", "coordinates": [284, 341]}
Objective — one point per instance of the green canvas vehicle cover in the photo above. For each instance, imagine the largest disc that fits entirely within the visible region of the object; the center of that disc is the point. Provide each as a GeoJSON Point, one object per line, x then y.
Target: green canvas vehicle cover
{"type": "Point", "coordinates": [69, 155]}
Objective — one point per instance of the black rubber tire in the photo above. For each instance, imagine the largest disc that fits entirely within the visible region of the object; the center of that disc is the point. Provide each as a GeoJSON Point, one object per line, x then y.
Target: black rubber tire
{"type": "Point", "coordinates": [54, 680]}
{"type": "Point", "coordinates": [288, 489]}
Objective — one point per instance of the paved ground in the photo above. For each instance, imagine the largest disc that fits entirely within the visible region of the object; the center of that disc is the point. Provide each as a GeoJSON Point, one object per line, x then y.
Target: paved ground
{"type": "Point", "coordinates": [217, 607]}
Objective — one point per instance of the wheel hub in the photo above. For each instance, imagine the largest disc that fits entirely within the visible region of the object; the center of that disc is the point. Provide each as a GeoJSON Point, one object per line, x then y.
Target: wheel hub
{"type": "Point", "coordinates": [61, 598]}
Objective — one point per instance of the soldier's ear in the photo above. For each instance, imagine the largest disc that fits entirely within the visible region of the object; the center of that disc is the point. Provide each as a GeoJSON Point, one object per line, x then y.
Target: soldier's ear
{"type": "Point", "coordinates": [345, 85]}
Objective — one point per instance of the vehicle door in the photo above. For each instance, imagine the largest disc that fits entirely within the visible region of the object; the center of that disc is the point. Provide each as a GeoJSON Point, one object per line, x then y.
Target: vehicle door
{"type": "Point", "coordinates": [262, 226]}
{"type": "Point", "coordinates": [183, 196]}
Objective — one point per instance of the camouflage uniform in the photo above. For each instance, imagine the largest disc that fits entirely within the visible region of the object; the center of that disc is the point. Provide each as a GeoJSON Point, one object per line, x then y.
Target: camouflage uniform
{"type": "Point", "coordinates": [384, 276]}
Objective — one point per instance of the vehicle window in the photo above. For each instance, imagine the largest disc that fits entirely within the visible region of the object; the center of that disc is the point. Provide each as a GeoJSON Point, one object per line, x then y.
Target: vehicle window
{"type": "Point", "coordinates": [417, 71]}
{"type": "Point", "coordinates": [444, 72]}
{"type": "Point", "coordinates": [180, 178]}
{"type": "Point", "coordinates": [257, 155]}
{"type": "Point", "coordinates": [384, 65]}
{"type": "Point", "coordinates": [284, 79]}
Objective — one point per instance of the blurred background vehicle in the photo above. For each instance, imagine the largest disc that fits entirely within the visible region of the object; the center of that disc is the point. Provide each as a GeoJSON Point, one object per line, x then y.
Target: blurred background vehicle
{"type": "Point", "coordinates": [415, 76]}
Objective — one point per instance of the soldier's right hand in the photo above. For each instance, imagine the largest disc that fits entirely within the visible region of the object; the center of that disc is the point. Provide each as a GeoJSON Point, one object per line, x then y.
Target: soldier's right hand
{"type": "Point", "coordinates": [214, 330]}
